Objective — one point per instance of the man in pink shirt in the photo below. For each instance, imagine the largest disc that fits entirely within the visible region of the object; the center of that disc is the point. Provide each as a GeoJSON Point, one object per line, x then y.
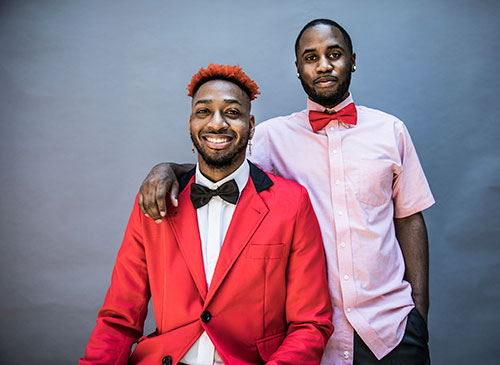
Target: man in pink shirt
{"type": "Point", "coordinates": [368, 190]}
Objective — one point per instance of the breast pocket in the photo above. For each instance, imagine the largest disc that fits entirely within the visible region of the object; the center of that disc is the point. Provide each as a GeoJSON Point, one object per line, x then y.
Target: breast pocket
{"type": "Point", "coordinates": [375, 181]}
{"type": "Point", "coordinates": [265, 251]}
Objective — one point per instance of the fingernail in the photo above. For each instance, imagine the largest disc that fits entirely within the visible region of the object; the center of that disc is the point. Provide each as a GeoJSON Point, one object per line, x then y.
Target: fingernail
{"type": "Point", "coordinates": [159, 221]}
{"type": "Point", "coordinates": [162, 214]}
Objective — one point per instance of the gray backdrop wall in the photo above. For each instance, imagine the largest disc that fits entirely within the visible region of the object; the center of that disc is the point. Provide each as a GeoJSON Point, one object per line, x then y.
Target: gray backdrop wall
{"type": "Point", "coordinates": [92, 95]}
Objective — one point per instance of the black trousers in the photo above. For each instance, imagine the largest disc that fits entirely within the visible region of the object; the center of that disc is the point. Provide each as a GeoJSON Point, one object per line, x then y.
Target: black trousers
{"type": "Point", "coordinates": [412, 350]}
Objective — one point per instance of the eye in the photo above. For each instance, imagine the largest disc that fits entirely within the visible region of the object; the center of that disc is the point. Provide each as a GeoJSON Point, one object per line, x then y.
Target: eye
{"type": "Point", "coordinates": [335, 55]}
{"type": "Point", "coordinates": [232, 112]}
{"type": "Point", "coordinates": [310, 58]}
{"type": "Point", "coordinates": [202, 112]}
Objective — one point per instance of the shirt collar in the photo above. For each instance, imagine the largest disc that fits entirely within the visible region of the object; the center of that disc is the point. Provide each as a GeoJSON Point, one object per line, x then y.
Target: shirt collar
{"type": "Point", "coordinates": [240, 176]}
{"type": "Point", "coordinates": [311, 105]}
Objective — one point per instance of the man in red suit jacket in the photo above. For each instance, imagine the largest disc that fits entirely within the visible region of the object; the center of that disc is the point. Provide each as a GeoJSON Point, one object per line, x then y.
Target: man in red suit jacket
{"type": "Point", "coordinates": [234, 278]}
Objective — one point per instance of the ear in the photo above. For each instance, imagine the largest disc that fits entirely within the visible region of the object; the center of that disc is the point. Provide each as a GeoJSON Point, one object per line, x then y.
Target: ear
{"type": "Point", "coordinates": [353, 60]}
{"type": "Point", "coordinates": [297, 66]}
{"type": "Point", "coordinates": [252, 126]}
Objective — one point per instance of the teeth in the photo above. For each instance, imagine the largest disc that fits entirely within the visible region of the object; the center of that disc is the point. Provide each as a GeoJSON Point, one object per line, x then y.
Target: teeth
{"type": "Point", "coordinates": [217, 140]}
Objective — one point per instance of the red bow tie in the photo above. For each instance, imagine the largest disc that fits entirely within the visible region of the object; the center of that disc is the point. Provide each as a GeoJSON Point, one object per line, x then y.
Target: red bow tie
{"type": "Point", "coordinates": [346, 115]}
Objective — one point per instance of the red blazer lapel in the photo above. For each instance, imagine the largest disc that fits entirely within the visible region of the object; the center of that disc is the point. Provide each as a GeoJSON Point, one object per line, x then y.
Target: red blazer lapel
{"type": "Point", "coordinates": [184, 224]}
{"type": "Point", "coordinates": [247, 217]}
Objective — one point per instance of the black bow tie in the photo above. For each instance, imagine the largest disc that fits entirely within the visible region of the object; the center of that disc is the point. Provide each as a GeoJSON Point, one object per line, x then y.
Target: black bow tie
{"type": "Point", "coordinates": [201, 195]}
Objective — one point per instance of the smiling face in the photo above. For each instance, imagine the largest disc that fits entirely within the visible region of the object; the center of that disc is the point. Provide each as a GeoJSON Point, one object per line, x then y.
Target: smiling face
{"type": "Point", "coordinates": [324, 63]}
{"type": "Point", "coordinates": [220, 126]}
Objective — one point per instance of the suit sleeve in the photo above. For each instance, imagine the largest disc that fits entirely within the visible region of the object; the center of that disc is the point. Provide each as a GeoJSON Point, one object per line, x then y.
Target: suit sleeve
{"type": "Point", "coordinates": [308, 305]}
{"type": "Point", "coordinates": [120, 321]}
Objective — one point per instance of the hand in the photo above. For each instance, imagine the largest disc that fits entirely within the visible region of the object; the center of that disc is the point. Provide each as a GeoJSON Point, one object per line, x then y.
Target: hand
{"type": "Point", "coordinates": [152, 194]}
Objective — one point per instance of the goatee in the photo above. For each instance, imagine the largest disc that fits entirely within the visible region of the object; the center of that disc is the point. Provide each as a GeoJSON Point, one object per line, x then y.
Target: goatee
{"type": "Point", "coordinates": [328, 99]}
{"type": "Point", "coordinates": [221, 160]}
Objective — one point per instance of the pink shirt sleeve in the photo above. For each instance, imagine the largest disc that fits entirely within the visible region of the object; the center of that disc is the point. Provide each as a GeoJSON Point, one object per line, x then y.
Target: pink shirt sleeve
{"type": "Point", "coordinates": [411, 193]}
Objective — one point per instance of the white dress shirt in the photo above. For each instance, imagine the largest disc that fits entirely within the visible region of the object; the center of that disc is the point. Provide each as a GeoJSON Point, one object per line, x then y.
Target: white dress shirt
{"type": "Point", "coordinates": [213, 222]}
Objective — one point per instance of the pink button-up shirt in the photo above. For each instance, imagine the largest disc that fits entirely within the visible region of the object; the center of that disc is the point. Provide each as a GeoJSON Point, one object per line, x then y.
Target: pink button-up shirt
{"type": "Point", "coordinates": [359, 178]}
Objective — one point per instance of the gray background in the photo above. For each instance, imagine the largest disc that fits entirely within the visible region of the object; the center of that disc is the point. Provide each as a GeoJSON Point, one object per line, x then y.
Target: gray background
{"type": "Point", "coordinates": [92, 95]}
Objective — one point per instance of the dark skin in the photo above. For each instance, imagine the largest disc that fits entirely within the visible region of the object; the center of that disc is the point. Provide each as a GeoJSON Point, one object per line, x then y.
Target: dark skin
{"type": "Point", "coordinates": [324, 63]}
{"type": "Point", "coordinates": [220, 126]}
{"type": "Point", "coordinates": [220, 112]}
{"type": "Point", "coordinates": [161, 179]}
{"type": "Point", "coordinates": [412, 237]}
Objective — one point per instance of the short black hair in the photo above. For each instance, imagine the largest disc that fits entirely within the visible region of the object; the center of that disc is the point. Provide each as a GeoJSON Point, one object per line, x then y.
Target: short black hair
{"type": "Point", "coordinates": [315, 22]}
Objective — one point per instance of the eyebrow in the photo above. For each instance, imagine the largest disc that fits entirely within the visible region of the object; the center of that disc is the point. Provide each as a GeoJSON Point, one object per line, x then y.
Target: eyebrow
{"type": "Point", "coordinates": [335, 46]}
{"type": "Point", "coordinates": [227, 101]}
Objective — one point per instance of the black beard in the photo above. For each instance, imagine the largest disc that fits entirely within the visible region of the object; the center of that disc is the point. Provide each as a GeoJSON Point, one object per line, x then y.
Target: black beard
{"type": "Point", "coordinates": [221, 160]}
{"type": "Point", "coordinates": [328, 100]}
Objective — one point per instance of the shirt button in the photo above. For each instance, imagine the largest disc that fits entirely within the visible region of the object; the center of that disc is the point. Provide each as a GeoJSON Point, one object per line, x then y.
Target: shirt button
{"type": "Point", "coordinates": [334, 152]}
{"type": "Point", "coordinates": [348, 310]}
{"type": "Point", "coordinates": [342, 244]}
{"type": "Point", "coordinates": [337, 182]}
{"type": "Point", "coordinates": [332, 128]}
{"type": "Point", "coordinates": [346, 354]}
{"type": "Point", "coordinates": [340, 212]}
{"type": "Point", "coordinates": [346, 277]}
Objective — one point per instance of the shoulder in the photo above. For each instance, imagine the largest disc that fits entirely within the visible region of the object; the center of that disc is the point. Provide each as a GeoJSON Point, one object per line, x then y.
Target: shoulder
{"type": "Point", "coordinates": [278, 122]}
{"type": "Point", "coordinates": [288, 199]}
{"type": "Point", "coordinates": [285, 190]}
{"type": "Point", "coordinates": [383, 117]}
{"type": "Point", "coordinates": [381, 122]}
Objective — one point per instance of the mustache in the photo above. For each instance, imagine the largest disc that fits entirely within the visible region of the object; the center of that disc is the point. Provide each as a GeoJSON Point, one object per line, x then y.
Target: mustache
{"type": "Point", "coordinates": [326, 78]}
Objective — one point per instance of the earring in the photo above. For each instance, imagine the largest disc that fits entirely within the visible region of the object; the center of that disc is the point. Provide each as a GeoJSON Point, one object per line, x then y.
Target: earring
{"type": "Point", "coordinates": [298, 75]}
{"type": "Point", "coordinates": [353, 68]}
{"type": "Point", "coordinates": [250, 147]}
{"type": "Point", "coordinates": [192, 147]}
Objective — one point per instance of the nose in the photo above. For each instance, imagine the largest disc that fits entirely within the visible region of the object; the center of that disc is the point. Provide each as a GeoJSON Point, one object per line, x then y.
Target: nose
{"type": "Point", "coordinates": [218, 121]}
{"type": "Point", "coordinates": [324, 65]}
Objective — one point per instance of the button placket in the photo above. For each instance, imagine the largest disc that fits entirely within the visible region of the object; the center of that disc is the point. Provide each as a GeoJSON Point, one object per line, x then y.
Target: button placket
{"type": "Point", "coordinates": [342, 226]}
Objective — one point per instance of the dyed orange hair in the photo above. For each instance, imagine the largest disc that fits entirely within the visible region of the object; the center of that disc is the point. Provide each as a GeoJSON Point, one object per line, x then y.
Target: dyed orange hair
{"type": "Point", "coordinates": [224, 72]}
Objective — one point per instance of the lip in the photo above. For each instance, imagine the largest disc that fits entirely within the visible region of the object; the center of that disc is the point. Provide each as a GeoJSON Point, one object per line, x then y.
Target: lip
{"type": "Point", "coordinates": [217, 141]}
{"type": "Point", "coordinates": [325, 81]}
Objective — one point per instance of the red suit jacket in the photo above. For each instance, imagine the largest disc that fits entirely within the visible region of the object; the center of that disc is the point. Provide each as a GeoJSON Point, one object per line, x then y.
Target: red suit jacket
{"type": "Point", "coordinates": [268, 300]}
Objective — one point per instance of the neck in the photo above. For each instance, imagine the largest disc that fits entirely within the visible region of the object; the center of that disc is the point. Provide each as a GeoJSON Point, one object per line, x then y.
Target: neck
{"type": "Point", "coordinates": [215, 174]}
{"type": "Point", "coordinates": [334, 103]}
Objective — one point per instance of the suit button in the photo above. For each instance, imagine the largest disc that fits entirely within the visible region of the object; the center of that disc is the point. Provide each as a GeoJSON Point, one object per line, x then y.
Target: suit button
{"type": "Point", "coordinates": [206, 316]}
{"type": "Point", "coordinates": [167, 360]}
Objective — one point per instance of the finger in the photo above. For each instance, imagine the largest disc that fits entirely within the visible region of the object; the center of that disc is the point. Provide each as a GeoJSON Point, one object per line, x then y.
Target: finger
{"type": "Point", "coordinates": [150, 204]}
{"type": "Point", "coordinates": [161, 190]}
{"type": "Point", "coordinates": [174, 193]}
{"type": "Point", "coordinates": [141, 205]}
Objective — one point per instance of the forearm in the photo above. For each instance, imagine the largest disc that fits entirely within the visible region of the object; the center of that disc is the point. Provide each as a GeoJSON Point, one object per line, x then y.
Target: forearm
{"type": "Point", "coordinates": [412, 236]}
